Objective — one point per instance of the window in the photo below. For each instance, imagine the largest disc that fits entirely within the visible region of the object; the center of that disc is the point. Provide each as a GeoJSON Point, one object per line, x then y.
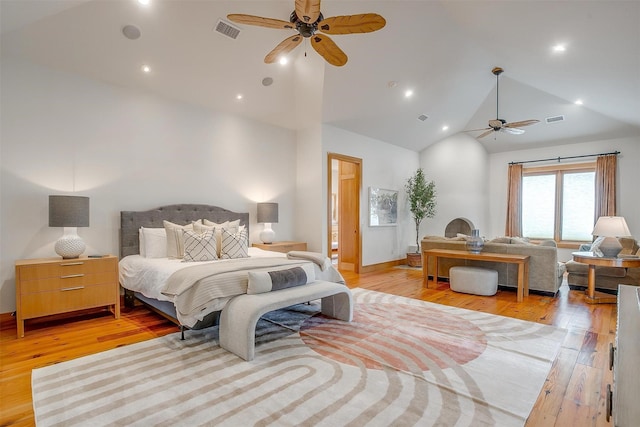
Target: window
{"type": "Point", "coordinates": [558, 202]}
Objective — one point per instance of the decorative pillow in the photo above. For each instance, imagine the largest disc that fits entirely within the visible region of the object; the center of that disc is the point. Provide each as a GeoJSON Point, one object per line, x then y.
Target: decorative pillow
{"type": "Point", "coordinates": [175, 238]}
{"type": "Point", "coordinates": [595, 246]}
{"type": "Point", "coordinates": [267, 281]}
{"type": "Point", "coordinates": [500, 240]}
{"type": "Point", "coordinates": [153, 242]}
{"type": "Point", "coordinates": [199, 247]}
{"type": "Point", "coordinates": [234, 225]}
{"type": "Point", "coordinates": [520, 241]}
{"type": "Point", "coordinates": [234, 245]}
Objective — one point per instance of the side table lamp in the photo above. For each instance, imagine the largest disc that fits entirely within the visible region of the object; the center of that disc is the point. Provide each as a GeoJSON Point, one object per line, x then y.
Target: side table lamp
{"type": "Point", "coordinates": [267, 214]}
{"type": "Point", "coordinates": [611, 227]}
{"type": "Point", "coordinates": [69, 212]}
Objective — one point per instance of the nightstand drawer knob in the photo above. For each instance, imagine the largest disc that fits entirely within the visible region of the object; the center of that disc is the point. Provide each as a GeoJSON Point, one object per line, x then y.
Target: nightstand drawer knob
{"type": "Point", "coordinates": [70, 276]}
{"type": "Point", "coordinates": [75, 288]}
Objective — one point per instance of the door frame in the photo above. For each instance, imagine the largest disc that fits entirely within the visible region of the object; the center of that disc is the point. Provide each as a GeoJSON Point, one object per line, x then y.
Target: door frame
{"type": "Point", "coordinates": [358, 161]}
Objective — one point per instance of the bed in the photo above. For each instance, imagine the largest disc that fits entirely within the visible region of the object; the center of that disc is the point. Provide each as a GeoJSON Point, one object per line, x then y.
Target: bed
{"type": "Point", "coordinates": [159, 282]}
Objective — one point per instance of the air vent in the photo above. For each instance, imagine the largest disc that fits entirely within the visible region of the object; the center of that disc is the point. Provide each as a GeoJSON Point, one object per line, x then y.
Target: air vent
{"type": "Point", "coordinates": [227, 29]}
{"type": "Point", "coordinates": [423, 117]}
{"type": "Point", "coordinates": [554, 119]}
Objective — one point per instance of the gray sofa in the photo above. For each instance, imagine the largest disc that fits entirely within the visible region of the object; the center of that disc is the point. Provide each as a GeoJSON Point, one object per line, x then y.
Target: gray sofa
{"type": "Point", "coordinates": [607, 278]}
{"type": "Point", "coordinates": [545, 272]}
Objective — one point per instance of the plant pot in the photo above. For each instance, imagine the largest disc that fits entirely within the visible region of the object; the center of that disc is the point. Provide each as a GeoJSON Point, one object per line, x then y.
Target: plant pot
{"type": "Point", "coordinates": [414, 259]}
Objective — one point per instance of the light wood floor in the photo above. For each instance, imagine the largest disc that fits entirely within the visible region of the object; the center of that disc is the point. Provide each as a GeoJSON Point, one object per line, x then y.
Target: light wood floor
{"type": "Point", "coordinates": [573, 395]}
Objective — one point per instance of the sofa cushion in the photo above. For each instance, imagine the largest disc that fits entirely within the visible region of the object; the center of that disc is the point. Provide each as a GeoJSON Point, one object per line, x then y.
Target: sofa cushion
{"type": "Point", "coordinates": [580, 268]}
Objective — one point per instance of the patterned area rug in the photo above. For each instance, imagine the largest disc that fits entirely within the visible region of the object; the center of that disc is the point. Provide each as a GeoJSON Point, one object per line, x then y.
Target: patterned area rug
{"type": "Point", "coordinates": [401, 362]}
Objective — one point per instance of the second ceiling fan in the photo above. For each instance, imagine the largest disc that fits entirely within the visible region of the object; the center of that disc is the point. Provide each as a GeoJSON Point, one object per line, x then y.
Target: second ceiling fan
{"type": "Point", "coordinates": [308, 21]}
{"type": "Point", "coordinates": [501, 125]}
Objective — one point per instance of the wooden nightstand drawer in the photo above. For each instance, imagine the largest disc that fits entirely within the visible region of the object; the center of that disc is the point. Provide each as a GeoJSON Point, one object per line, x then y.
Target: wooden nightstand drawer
{"type": "Point", "coordinates": [53, 285]}
{"type": "Point", "coordinates": [66, 268]}
{"type": "Point", "coordinates": [68, 299]}
{"type": "Point", "coordinates": [65, 282]}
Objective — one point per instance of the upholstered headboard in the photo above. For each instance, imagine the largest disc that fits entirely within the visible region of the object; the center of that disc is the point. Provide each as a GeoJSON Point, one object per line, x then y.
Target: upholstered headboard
{"type": "Point", "coordinates": [131, 221]}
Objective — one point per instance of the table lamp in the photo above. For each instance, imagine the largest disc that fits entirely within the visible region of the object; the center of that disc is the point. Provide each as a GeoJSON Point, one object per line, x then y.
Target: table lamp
{"type": "Point", "coordinates": [69, 212]}
{"type": "Point", "coordinates": [267, 214]}
{"type": "Point", "coordinates": [611, 227]}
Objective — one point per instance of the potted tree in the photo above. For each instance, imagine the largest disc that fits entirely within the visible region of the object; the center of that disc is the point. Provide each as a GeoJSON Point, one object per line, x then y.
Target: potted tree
{"type": "Point", "coordinates": [422, 204]}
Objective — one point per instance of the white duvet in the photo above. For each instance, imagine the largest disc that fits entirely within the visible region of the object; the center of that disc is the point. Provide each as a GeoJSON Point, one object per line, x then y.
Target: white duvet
{"type": "Point", "coordinates": [149, 275]}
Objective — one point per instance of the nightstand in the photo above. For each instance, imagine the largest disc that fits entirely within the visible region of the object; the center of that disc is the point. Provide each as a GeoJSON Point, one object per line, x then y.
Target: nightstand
{"type": "Point", "coordinates": [48, 286]}
{"type": "Point", "coordinates": [281, 246]}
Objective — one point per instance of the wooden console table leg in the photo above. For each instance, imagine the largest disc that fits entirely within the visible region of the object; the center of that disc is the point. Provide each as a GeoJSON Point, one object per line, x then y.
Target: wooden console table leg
{"type": "Point", "coordinates": [520, 282]}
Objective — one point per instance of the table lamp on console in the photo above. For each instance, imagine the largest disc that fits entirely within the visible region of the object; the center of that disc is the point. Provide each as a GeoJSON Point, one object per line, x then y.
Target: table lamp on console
{"type": "Point", "coordinates": [267, 214]}
{"type": "Point", "coordinates": [611, 227]}
{"type": "Point", "coordinates": [69, 212]}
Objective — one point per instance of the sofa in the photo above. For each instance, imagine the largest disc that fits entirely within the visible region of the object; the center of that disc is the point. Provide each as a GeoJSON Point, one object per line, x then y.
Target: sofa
{"type": "Point", "coordinates": [607, 278]}
{"type": "Point", "coordinates": [545, 272]}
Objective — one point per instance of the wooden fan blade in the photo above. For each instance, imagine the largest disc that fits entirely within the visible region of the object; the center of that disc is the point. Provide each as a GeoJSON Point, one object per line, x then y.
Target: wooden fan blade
{"type": "Point", "coordinates": [476, 130]}
{"type": "Point", "coordinates": [308, 11]}
{"type": "Point", "coordinates": [328, 50]}
{"type": "Point", "coordinates": [350, 24]}
{"type": "Point", "coordinates": [482, 135]}
{"type": "Point", "coordinates": [522, 123]}
{"type": "Point", "coordinates": [286, 46]}
{"type": "Point", "coordinates": [512, 131]}
{"type": "Point", "coordinates": [259, 21]}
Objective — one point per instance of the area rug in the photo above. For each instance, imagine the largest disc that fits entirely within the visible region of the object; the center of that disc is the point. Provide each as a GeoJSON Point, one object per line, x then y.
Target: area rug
{"type": "Point", "coordinates": [400, 362]}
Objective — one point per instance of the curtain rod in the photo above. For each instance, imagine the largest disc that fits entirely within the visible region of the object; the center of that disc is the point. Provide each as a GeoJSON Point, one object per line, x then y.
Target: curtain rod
{"type": "Point", "coordinates": [564, 158]}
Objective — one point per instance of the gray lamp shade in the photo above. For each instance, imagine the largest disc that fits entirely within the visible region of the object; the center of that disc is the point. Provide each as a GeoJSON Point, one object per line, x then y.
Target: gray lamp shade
{"type": "Point", "coordinates": [267, 212]}
{"type": "Point", "coordinates": [68, 211]}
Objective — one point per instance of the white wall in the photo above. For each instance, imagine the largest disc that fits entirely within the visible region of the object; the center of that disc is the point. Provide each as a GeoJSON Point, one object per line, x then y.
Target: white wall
{"type": "Point", "coordinates": [385, 166]}
{"type": "Point", "coordinates": [628, 179]}
{"type": "Point", "coordinates": [126, 151]}
{"type": "Point", "coordinates": [459, 167]}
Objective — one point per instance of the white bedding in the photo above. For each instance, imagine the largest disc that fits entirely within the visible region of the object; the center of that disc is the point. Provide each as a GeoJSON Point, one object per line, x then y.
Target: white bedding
{"type": "Point", "coordinates": [149, 275]}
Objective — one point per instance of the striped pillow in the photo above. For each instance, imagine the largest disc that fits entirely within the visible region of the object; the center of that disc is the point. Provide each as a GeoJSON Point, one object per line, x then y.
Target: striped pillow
{"type": "Point", "coordinates": [199, 247]}
{"type": "Point", "coordinates": [234, 245]}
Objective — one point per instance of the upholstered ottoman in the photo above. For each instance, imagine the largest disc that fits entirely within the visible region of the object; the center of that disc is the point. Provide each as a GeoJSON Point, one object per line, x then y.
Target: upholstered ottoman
{"type": "Point", "coordinates": [473, 280]}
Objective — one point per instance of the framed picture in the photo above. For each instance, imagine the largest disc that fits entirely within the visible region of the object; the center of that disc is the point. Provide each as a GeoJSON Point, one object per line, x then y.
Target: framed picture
{"type": "Point", "coordinates": [383, 207]}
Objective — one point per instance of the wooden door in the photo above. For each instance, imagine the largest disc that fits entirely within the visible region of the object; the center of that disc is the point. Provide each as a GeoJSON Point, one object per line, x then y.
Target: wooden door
{"type": "Point", "coordinates": [349, 215]}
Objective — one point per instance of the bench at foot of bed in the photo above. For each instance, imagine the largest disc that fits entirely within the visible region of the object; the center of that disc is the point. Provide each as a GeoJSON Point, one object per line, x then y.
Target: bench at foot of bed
{"type": "Point", "coordinates": [240, 316]}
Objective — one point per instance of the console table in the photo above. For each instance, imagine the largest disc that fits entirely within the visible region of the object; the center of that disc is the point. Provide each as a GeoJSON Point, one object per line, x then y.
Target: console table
{"type": "Point", "coordinates": [521, 260]}
{"type": "Point", "coordinates": [592, 260]}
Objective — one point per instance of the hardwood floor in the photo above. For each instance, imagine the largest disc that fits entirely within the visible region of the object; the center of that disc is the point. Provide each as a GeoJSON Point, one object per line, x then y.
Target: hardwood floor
{"type": "Point", "coordinates": [573, 395]}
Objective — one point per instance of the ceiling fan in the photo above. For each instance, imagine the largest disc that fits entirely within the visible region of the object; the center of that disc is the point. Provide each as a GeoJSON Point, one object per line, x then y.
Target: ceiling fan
{"type": "Point", "coordinates": [501, 125]}
{"type": "Point", "coordinates": [307, 20]}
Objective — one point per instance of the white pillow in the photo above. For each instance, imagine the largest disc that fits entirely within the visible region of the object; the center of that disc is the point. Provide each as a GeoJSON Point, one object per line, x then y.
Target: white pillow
{"type": "Point", "coordinates": [233, 225]}
{"type": "Point", "coordinates": [234, 245]}
{"type": "Point", "coordinates": [153, 242]}
{"type": "Point", "coordinates": [199, 247]}
{"type": "Point", "coordinates": [267, 281]}
{"type": "Point", "coordinates": [175, 238]}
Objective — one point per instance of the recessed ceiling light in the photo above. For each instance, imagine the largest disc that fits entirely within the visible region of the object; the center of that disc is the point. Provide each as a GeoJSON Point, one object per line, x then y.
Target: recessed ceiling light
{"type": "Point", "coordinates": [578, 102]}
{"type": "Point", "coordinates": [445, 127]}
{"type": "Point", "coordinates": [267, 81]}
{"type": "Point", "coordinates": [131, 32]}
{"type": "Point", "coordinates": [559, 48]}
{"type": "Point", "coordinates": [146, 69]}
{"type": "Point", "coordinates": [239, 96]}
{"type": "Point", "coordinates": [144, 2]}
{"type": "Point", "coordinates": [408, 93]}
{"type": "Point", "coordinates": [283, 60]}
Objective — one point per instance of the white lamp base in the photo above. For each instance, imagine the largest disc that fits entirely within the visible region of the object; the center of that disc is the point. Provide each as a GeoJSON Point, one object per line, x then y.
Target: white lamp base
{"type": "Point", "coordinates": [610, 247]}
{"type": "Point", "coordinates": [267, 235]}
{"type": "Point", "coordinates": [70, 245]}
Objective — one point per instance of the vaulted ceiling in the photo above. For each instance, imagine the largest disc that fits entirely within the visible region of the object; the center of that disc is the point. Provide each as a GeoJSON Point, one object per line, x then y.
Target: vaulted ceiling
{"type": "Point", "coordinates": [441, 50]}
